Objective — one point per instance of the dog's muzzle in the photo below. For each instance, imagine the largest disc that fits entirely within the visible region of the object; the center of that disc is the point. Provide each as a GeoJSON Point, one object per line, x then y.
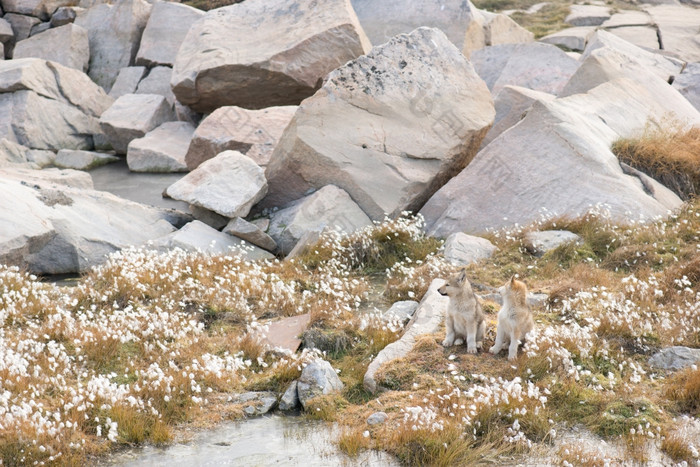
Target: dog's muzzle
{"type": "Point", "coordinates": [444, 294]}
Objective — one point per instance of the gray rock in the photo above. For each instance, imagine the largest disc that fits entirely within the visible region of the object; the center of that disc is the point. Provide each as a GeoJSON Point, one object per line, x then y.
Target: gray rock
{"type": "Point", "coordinates": [608, 57]}
{"type": "Point", "coordinates": [330, 207]}
{"type": "Point", "coordinates": [132, 116]}
{"type": "Point", "coordinates": [210, 218]}
{"type": "Point", "coordinates": [164, 33]}
{"type": "Point", "coordinates": [675, 358]}
{"type": "Point", "coordinates": [560, 140]}
{"type": "Point", "coordinates": [539, 243]}
{"type": "Point", "coordinates": [55, 224]}
{"type": "Point", "coordinates": [262, 223]}
{"type": "Point", "coordinates": [197, 236]}
{"type": "Point", "coordinates": [256, 403]}
{"type": "Point", "coordinates": [6, 33]}
{"type": "Point", "coordinates": [42, 9]}
{"type": "Point", "coordinates": [114, 32]}
{"type": "Point", "coordinates": [82, 160]}
{"type": "Point", "coordinates": [127, 81]}
{"type": "Point", "coordinates": [290, 398]}
{"type": "Point", "coordinates": [383, 20]}
{"type": "Point", "coordinates": [229, 184]}
{"type": "Point", "coordinates": [587, 15]}
{"type": "Point", "coordinates": [688, 84]}
{"type": "Point", "coordinates": [271, 68]}
{"type": "Point", "coordinates": [254, 133]}
{"type": "Point", "coordinates": [21, 25]}
{"type": "Point", "coordinates": [161, 150]}
{"type": "Point", "coordinates": [642, 36]}
{"type": "Point", "coordinates": [67, 45]}
{"type": "Point", "coordinates": [13, 154]}
{"type": "Point", "coordinates": [348, 133]}
{"type": "Point", "coordinates": [512, 103]}
{"type": "Point", "coordinates": [377, 418]}
{"type": "Point", "coordinates": [489, 29]}
{"type": "Point", "coordinates": [64, 15]}
{"type": "Point", "coordinates": [317, 378]}
{"type": "Point", "coordinates": [157, 82]}
{"type": "Point", "coordinates": [426, 320]}
{"type": "Point", "coordinates": [39, 28]}
{"type": "Point", "coordinates": [462, 249]}
{"type": "Point", "coordinates": [678, 28]}
{"type": "Point", "coordinates": [251, 233]}
{"type": "Point", "coordinates": [570, 38]}
{"type": "Point", "coordinates": [302, 246]}
{"type": "Point", "coordinates": [400, 311]}
{"type": "Point", "coordinates": [536, 66]}
{"type": "Point", "coordinates": [628, 18]}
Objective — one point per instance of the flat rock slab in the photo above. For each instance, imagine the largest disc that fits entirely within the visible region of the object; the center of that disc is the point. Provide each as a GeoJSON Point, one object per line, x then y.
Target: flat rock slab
{"type": "Point", "coordinates": [127, 81]}
{"type": "Point", "coordinates": [67, 45]}
{"type": "Point", "coordinates": [539, 243]}
{"type": "Point", "coordinates": [259, 53]}
{"type": "Point", "coordinates": [132, 116]}
{"type": "Point", "coordinates": [254, 133]}
{"type": "Point", "coordinates": [251, 233]}
{"type": "Point", "coordinates": [162, 149]}
{"type": "Point", "coordinates": [283, 333]}
{"type": "Point", "coordinates": [82, 160]}
{"type": "Point", "coordinates": [536, 66]}
{"type": "Point", "coordinates": [642, 36]}
{"type": "Point", "coordinates": [197, 236]}
{"type": "Point", "coordinates": [426, 320]}
{"type": "Point", "coordinates": [587, 15]}
{"type": "Point", "coordinates": [328, 208]}
{"type": "Point", "coordinates": [388, 128]}
{"type": "Point", "coordinates": [256, 403]}
{"type": "Point", "coordinates": [400, 311]}
{"type": "Point", "coordinates": [675, 358]}
{"type": "Point", "coordinates": [678, 28]}
{"type": "Point", "coordinates": [461, 249]}
{"type": "Point", "coordinates": [628, 18]}
{"type": "Point", "coordinates": [165, 30]}
{"type": "Point", "coordinates": [229, 184]}
{"type": "Point", "coordinates": [688, 83]}
{"type": "Point", "coordinates": [512, 103]}
{"type": "Point", "coordinates": [571, 38]}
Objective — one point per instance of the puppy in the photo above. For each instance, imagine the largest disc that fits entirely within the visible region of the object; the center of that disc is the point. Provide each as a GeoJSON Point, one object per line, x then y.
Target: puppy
{"type": "Point", "coordinates": [514, 318]}
{"type": "Point", "coordinates": [465, 318]}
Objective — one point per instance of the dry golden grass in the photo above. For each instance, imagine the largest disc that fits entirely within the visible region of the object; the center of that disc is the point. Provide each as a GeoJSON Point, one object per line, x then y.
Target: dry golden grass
{"type": "Point", "coordinates": [683, 388]}
{"type": "Point", "coordinates": [574, 454]}
{"type": "Point", "coordinates": [670, 155]}
{"type": "Point", "coordinates": [677, 446]}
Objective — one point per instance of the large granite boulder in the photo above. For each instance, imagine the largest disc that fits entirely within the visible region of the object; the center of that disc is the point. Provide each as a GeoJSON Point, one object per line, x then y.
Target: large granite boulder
{"type": "Point", "coordinates": [558, 158]}
{"type": "Point", "coordinates": [166, 29]}
{"type": "Point", "coordinates": [587, 15]}
{"type": "Point", "coordinates": [536, 66]}
{"type": "Point", "coordinates": [389, 128]}
{"type": "Point", "coordinates": [157, 82]}
{"type": "Point", "coordinates": [42, 9]}
{"type": "Point", "coordinates": [127, 81]}
{"type": "Point", "coordinates": [461, 249]}
{"type": "Point", "coordinates": [675, 358]}
{"type": "Point", "coordinates": [114, 32]}
{"type": "Point", "coordinates": [229, 184]}
{"type": "Point", "coordinates": [67, 45]}
{"type": "Point", "coordinates": [132, 116]}
{"type": "Point", "coordinates": [678, 29]}
{"type": "Point", "coordinates": [330, 207]}
{"type": "Point", "coordinates": [82, 160]}
{"type": "Point", "coordinates": [261, 53]}
{"type": "Point", "coordinates": [53, 223]}
{"type": "Point", "coordinates": [254, 133]}
{"type": "Point", "coordinates": [688, 83]}
{"type": "Point", "coordinates": [487, 29]}
{"type": "Point", "coordinates": [161, 150]}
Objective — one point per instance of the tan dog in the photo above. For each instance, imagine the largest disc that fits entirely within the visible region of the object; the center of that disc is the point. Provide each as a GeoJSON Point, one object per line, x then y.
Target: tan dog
{"type": "Point", "coordinates": [465, 318]}
{"type": "Point", "coordinates": [514, 318]}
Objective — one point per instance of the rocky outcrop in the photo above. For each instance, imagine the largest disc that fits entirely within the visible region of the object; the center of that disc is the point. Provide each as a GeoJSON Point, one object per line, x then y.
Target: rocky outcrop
{"type": "Point", "coordinates": [166, 29]}
{"type": "Point", "coordinates": [675, 358]}
{"type": "Point", "coordinates": [317, 378]}
{"type": "Point", "coordinates": [229, 184]}
{"type": "Point", "coordinates": [388, 128]}
{"type": "Point", "coordinates": [53, 223]}
{"type": "Point", "coordinates": [255, 403]}
{"type": "Point", "coordinates": [127, 81]}
{"type": "Point", "coordinates": [587, 15]}
{"type": "Point", "coordinates": [539, 162]}
{"type": "Point", "coordinates": [426, 320]}
{"type": "Point", "coordinates": [536, 66]}
{"type": "Point", "coordinates": [328, 208]}
{"type": "Point", "coordinates": [157, 82]}
{"type": "Point", "coordinates": [487, 29]}
{"type": "Point", "coordinates": [132, 116]}
{"type": "Point", "coordinates": [254, 133]}
{"type": "Point", "coordinates": [67, 45]}
{"type": "Point", "coordinates": [42, 9]}
{"type": "Point", "coordinates": [461, 249]}
{"type": "Point", "coordinates": [114, 32]}
{"type": "Point", "coordinates": [161, 150]}
{"type": "Point", "coordinates": [688, 83]}
{"type": "Point", "coordinates": [261, 53]}
{"type": "Point", "coordinates": [678, 29]}
{"type": "Point", "coordinates": [82, 160]}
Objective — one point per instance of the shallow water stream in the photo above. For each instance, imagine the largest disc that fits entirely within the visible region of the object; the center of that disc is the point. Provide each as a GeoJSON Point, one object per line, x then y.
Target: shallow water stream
{"type": "Point", "coordinates": [262, 441]}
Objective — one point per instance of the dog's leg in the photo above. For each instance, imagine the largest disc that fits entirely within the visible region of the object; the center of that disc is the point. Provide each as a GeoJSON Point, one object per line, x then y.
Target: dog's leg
{"type": "Point", "coordinates": [450, 332]}
{"type": "Point", "coordinates": [480, 331]}
{"type": "Point", "coordinates": [513, 348]}
{"type": "Point", "coordinates": [471, 336]}
{"type": "Point", "coordinates": [500, 335]}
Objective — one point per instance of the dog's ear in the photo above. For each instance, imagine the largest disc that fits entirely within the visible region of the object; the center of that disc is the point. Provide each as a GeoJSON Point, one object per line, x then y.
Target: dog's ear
{"type": "Point", "coordinates": [462, 276]}
{"type": "Point", "coordinates": [512, 280]}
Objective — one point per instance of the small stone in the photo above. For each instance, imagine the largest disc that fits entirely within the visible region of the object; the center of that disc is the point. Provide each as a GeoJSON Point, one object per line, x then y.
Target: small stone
{"type": "Point", "coordinates": [462, 249]}
{"type": "Point", "coordinates": [377, 418]}
{"type": "Point", "coordinates": [82, 160]}
{"type": "Point", "coordinates": [539, 243]}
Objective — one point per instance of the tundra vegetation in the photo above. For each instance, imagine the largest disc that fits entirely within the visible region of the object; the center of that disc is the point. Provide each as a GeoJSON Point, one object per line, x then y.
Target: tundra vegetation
{"type": "Point", "coordinates": [150, 344]}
